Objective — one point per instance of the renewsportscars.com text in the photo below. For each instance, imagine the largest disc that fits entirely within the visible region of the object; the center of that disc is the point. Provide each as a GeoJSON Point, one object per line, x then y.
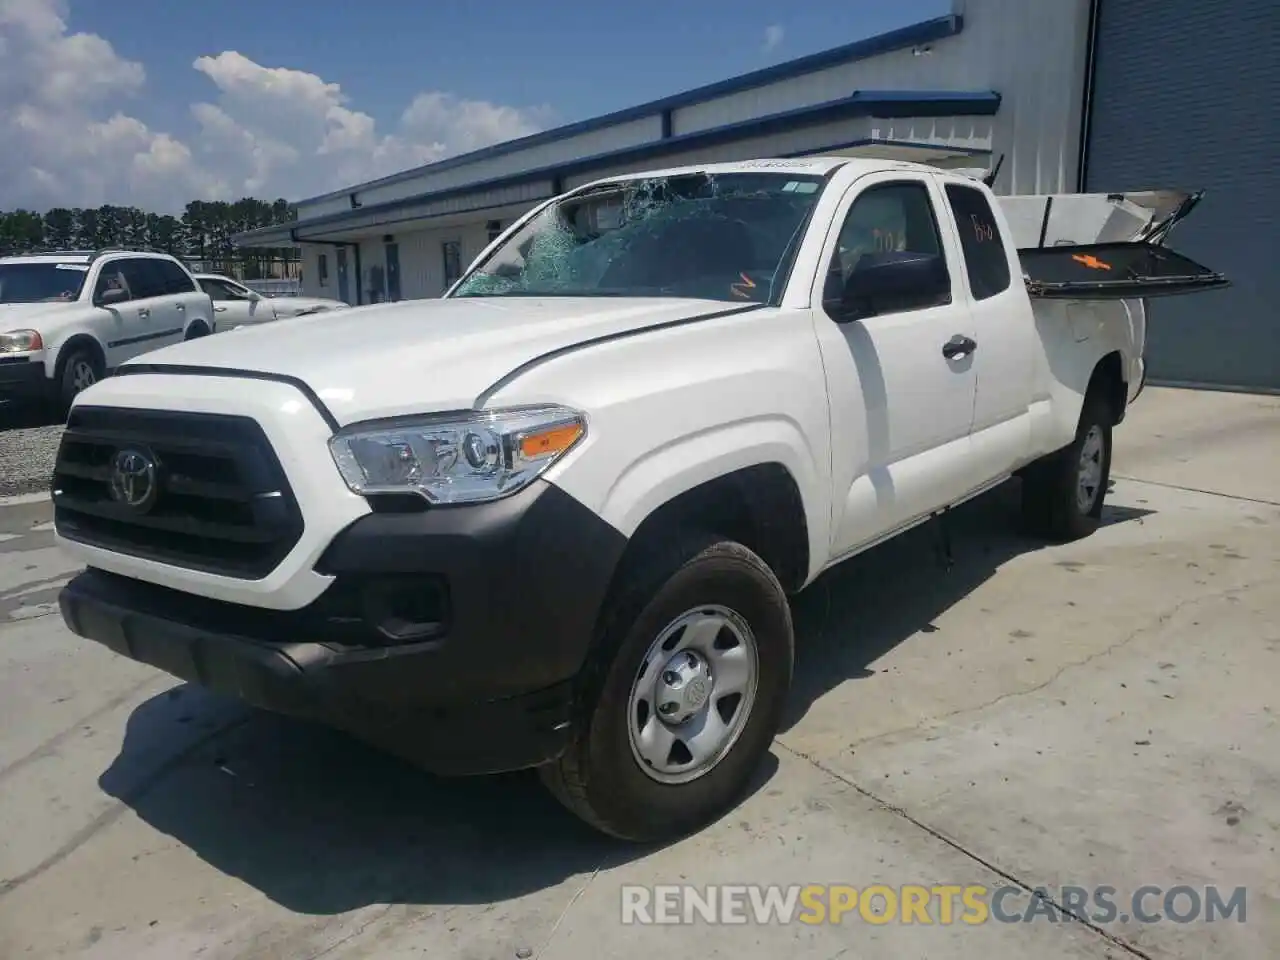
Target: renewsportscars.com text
{"type": "Point", "coordinates": [926, 904]}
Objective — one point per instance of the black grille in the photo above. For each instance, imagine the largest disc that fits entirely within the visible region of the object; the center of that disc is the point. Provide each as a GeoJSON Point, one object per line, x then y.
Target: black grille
{"type": "Point", "coordinates": [222, 502]}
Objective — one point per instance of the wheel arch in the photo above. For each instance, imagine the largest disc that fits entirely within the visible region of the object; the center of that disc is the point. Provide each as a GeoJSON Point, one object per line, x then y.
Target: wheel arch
{"type": "Point", "coordinates": [1107, 381]}
{"type": "Point", "coordinates": [197, 322]}
{"type": "Point", "coordinates": [759, 506]}
{"type": "Point", "coordinates": [74, 342]}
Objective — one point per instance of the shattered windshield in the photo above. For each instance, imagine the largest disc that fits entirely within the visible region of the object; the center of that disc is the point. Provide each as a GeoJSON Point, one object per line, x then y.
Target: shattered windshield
{"type": "Point", "coordinates": [711, 236]}
{"type": "Point", "coordinates": [40, 282]}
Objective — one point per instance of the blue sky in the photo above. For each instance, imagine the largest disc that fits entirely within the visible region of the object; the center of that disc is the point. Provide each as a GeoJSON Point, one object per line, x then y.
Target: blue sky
{"type": "Point", "coordinates": [293, 96]}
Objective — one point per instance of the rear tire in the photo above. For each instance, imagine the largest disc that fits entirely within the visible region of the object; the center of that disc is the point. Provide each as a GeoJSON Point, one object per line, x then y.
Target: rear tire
{"type": "Point", "coordinates": [196, 330]}
{"type": "Point", "coordinates": [1063, 493]}
{"type": "Point", "coordinates": [80, 370]}
{"type": "Point", "coordinates": [701, 633]}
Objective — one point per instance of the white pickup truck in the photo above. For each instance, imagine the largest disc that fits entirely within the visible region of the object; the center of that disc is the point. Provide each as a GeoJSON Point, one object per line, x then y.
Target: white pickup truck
{"type": "Point", "coordinates": [68, 319]}
{"type": "Point", "coordinates": [553, 519]}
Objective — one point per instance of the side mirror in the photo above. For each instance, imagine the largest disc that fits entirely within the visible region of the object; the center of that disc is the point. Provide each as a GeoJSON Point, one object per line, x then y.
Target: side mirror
{"type": "Point", "coordinates": [112, 296]}
{"type": "Point", "coordinates": [253, 296]}
{"type": "Point", "coordinates": [888, 282]}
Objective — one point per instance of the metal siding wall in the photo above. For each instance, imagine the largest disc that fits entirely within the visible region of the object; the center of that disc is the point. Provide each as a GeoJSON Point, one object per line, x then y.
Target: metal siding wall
{"type": "Point", "coordinates": [972, 133]}
{"type": "Point", "coordinates": [1030, 51]}
{"type": "Point", "coordinates": [597, 141]}
{"type": "Point", "coordinates": [480, 203]}
{"type": "Point", "coordinates": [422, 259]}
{"type": "Point", "coordinates": [1187, 96]}
{"type": "Point", "coordinates": [311, 272]}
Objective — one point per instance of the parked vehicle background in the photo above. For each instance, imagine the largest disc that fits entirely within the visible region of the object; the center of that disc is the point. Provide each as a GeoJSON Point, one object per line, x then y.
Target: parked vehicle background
{"type": "Point", "coordinates": [235, 305]}
{"type": "Point", "coordinates": [68, 319]}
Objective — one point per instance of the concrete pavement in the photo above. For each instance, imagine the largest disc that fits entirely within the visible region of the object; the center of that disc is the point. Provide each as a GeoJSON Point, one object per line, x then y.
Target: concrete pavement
{"type": "Point", "coordinates": [1102, 713]}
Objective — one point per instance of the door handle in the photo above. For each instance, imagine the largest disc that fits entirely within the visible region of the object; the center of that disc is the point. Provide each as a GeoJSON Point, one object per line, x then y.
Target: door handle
{"type": "Point", "coordinates": [182, 308]}
{"type": "Point", "coordinates": [219, 309]}
{"type": "Point", "coordinates": [144, 312]}
{"type": "Point", "coordinates": [958, 347]}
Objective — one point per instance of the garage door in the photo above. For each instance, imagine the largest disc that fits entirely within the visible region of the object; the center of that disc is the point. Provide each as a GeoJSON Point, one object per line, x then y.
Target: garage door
{"type": "Point", "coordinates": [1187, 94]}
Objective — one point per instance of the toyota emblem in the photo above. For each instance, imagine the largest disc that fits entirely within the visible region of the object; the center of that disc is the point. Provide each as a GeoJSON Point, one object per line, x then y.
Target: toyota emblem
{"type": "Point", "coordinates": [133, 479]}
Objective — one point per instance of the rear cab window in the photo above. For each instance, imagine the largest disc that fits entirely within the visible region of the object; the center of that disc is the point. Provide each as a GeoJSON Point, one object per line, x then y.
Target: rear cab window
{"type": "Point", "coordinates": [986, 260]}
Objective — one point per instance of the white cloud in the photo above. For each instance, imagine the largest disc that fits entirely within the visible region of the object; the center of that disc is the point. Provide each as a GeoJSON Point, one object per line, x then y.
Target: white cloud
{"type": "Point", "coordinates": [71, 138]}
{"type": "Point", "coordinates": [773, 36]}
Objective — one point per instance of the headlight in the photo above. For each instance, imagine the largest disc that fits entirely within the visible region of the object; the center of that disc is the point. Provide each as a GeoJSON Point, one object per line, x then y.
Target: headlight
{"type": "Point", "coordinates": [20, 341]}
{"type": "Point", "coordinates": [457, 459]}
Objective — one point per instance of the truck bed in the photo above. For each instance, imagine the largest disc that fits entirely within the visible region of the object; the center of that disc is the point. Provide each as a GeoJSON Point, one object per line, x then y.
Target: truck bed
{"type": "Point", "coordinates": [1096, 246]}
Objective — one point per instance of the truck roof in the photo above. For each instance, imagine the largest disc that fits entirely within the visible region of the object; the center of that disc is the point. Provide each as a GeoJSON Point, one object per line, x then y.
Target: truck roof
{"type": "Point", "coordinates": [811, 166]}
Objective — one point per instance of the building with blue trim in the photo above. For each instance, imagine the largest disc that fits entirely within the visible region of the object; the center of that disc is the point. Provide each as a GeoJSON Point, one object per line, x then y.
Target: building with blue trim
{"type": "Point", "coordinates": [1071, 94]}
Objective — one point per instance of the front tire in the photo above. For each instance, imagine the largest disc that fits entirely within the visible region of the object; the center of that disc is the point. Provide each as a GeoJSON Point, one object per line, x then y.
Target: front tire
{"type": "Point", "coordinates": [80, 371]}
{"type": "Point", "coordinates": [703, 648]}
{"type": "Point", "coordinates": [1063, 493]}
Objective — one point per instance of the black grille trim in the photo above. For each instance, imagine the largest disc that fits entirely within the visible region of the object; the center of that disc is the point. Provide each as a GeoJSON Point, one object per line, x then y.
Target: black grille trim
{"type": "Point", "coordinates": [224, 505]}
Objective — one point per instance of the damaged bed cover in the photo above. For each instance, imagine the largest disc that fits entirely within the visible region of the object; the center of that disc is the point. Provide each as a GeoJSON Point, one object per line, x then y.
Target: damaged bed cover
{"type": "Point", "coordinates": [1123, 256]}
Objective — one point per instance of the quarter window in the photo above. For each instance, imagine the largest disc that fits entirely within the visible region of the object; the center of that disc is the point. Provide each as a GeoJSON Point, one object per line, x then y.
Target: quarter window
{"type": "Point", "coordinates": [985, 257]}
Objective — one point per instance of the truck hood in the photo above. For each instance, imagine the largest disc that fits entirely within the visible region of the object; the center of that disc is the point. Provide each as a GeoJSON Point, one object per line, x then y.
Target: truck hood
{"type": "Point", "coordinates": [419, 356]}
{"type": "Point", "coordinates": [19, 316]}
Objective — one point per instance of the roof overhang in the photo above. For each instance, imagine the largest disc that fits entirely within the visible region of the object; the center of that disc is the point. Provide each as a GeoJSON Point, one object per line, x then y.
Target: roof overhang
{"type": "Point", "coordinates": [928, 126]}
{"type": "Point", "coordinates": [903, 38]}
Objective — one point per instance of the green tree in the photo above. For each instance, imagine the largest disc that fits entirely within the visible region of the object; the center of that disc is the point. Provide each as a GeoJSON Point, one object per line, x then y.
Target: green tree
{"type": "Point", "coordinates": [203, 232]}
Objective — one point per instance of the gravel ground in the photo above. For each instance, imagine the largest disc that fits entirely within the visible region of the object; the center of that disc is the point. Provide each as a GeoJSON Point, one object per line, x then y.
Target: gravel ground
{"type": "Point", "coordinates": [27, 449]}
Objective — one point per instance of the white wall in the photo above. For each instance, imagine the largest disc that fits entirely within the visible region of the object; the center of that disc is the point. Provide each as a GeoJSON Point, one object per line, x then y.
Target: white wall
{"type": "Point", "coordinates": [1031, 51]}
{"type": "Point", "coordinates": [421, 258]}
{"type": "Point", "coordinates": [587, 144]}
{"type": "Point", "coordinates": [311, 272]}
{"type": "Point", "coordinates": [967, 133]}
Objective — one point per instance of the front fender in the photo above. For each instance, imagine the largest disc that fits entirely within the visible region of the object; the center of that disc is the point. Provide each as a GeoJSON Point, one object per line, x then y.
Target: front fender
{"type": "Point", "coordinates": [672, 409]}
{"type": "Point", "coordinates": [660, 475]}
{"type": "Point", "coordinates": [55, 346]}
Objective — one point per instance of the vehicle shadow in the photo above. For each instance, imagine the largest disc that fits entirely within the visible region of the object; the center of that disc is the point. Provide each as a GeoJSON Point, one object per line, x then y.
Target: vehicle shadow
{"type": "Point", "coordinates": [322, 824]}
{"type": "Point", "coordinates": [854, 614]}
{"type": "Point", "coordinates": [26, 416]}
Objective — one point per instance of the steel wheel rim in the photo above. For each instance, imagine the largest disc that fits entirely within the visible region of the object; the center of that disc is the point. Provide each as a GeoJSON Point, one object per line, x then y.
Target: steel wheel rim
{"type": "Point", "coordinates": [1089, 472]}
{"type": "Point", "coordinates": [693, 694]}
{"type": "Point", "coordinates": [82, 375]}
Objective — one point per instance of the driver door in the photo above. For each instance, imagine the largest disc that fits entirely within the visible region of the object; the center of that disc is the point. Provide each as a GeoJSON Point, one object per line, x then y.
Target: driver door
{"type": "Point", "coordinates": [123, 324]}
{"type": "Point", "coordinates": [901, 409]}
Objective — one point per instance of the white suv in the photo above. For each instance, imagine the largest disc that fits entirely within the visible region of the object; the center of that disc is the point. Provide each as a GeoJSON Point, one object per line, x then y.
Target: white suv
{"type": "Point", "coordinates": [68, 319]}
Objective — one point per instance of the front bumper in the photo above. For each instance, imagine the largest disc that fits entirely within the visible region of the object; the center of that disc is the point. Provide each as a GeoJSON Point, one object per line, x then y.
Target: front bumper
{"type": "Point", "coordinates": [450, 636]}
{"type": "Point", "coordinates": [22, 378]}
